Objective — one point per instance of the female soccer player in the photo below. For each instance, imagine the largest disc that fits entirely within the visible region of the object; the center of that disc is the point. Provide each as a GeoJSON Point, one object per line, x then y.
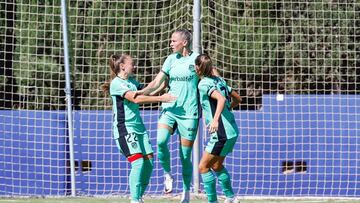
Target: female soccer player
{"type": "Point", "coordinates": [129, 131]}
{"type": "Point", "coordinates": [215, 101]}
{"type": "Point", "coordinates": [178, 73]}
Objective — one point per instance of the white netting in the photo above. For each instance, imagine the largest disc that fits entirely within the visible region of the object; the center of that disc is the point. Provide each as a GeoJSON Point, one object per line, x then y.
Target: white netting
{"type": "Point", "coordinates": [33, 133]}
{"type": "Point", "coordinates": [295, 63]}
{"type": "Point", "coordinates": [141, 29]}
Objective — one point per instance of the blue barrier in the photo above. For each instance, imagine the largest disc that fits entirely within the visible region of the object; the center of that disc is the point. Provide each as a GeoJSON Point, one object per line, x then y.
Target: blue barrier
{"type": "Point", "coordinates": [321, 131]}
{"type": "Point", "coordinates": [304, 145]}
{"type": "Point", "coordinates": [33, 153]}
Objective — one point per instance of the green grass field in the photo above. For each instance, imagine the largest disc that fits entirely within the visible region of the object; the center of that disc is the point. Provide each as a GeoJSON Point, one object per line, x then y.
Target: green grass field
{"type": "Point", "coordinates": [154, 200]}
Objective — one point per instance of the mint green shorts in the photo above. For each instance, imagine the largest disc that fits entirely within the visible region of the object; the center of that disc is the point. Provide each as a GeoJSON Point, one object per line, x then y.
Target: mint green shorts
{"type": "Point", "coordinates": [134, 143]}
{"type": "Point", "coordinates": [220, 147]}
{"type": "Point", "coordinates": [186, 127]}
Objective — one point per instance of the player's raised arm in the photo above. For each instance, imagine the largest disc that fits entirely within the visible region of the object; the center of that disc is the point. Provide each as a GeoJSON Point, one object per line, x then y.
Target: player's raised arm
{"type": "Point", "coordinates": [160, 89]}
{"type": "Point", "coordinates": [143, 99]}
{"type": "Point", "coordinates": [153, 86]}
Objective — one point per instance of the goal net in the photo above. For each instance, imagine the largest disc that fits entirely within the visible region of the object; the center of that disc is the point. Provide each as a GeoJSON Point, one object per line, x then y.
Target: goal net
{"type": "Point", "coordinates": [295, 64]}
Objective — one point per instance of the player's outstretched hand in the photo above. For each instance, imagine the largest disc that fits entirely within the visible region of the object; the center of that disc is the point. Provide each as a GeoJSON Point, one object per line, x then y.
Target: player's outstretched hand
{"type": "Point", "coordinates": [168, 97]}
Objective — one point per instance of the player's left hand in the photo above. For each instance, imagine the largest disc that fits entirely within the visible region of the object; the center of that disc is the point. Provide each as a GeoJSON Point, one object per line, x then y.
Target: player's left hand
{"type": "Point", "coordinates": [213, 126]}
{"type": "Point", "coordinates": [168, 97]}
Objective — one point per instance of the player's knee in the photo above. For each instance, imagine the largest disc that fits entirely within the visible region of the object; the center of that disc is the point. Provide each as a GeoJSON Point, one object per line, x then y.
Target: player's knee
{"type": "Point", "coordinates": [162, 137]}
{"type": "Point", "coordinates": [161, 144]}
{"type": "Point", "coordinates": [217, 167]}
{"type": "Point", "coordinates": [186, 152]}
{"type": "Point", "coordinates": [203, 168]}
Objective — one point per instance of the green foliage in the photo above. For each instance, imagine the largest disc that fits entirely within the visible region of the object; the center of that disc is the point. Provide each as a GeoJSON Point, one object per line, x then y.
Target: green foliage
{"type": "Point", "coordinates": [141, 29]}
{"type": "Point", "coordinates": [318, 48]}
{"type": "Point", "coordinates": [258, 46]}
{"type": "Point", "coordinates": [41, 81]}
{"type": "Point", "coordinates": [243, 43]}
{"type": "Point", "coordinates": [36, 58]}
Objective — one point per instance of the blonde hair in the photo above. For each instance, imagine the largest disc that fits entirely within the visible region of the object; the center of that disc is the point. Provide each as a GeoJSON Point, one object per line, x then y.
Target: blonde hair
{"type": "Point", "coordinates": [185, 35]}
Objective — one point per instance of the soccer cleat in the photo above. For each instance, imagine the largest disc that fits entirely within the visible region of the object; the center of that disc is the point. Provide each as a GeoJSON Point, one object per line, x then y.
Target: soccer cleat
{"type": "Point", "coordinates": [185, 197]}
{"type": "Point", "coordinates": [135, 201]}
{"type": "Point", "coordinates": [141, 200]}
{"type": "Point", "coordinates": [168, 183]}
{"type": "Point", "coordinates": [232, 200]}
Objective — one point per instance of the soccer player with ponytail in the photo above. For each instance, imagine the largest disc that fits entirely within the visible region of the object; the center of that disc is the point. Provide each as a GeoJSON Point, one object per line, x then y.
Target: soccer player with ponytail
{"type": "Point", "coordinates": [128, 128]}
{"type": "Point", "coordinates": [215, 98]}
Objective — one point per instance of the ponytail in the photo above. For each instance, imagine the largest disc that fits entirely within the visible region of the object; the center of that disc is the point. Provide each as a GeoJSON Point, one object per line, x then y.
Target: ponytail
{"type": "Point", "coordinates": [114, 64]}
{"type": "Point", "coordinates": [205, 65]}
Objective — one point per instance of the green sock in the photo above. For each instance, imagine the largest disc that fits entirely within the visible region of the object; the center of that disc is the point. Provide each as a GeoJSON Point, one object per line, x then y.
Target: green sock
{"type": "Point", "coordinates": [185, 155]}
{"type": "Point", "coordinates": [163, 136]}
{"type": "Point", "coordinates": [209, 186]}
{"type": "Point", "coordinates": [225, 182]}
{"type": "Point", "coordinates": [146, 174]}
{"type": "Point", "coordinates": [135, 178]}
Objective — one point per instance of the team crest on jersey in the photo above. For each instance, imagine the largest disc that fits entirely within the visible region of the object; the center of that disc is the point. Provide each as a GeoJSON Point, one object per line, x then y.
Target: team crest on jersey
{"type": "Point", "coordinates": [191, 67]}
{"type": "Point", "coordinates": [134, 145]}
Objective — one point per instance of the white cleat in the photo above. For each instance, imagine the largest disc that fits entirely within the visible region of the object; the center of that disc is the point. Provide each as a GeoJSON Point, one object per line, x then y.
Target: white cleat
{"type": "Point", "coordinates": [232, 200]}
{"type": "Point", "coordinates": [185, 197]}
{"type": "Point", "coordinates": [168, 183]}
{"type": "Point", "coordinates": [141, 200]}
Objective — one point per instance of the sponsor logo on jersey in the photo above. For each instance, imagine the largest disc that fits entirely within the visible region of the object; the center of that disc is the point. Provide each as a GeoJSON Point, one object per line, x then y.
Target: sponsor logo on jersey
{"type": "Point", "coordinates": [182, 79]}
{"type": "Point", "coordinates": [134, 145]}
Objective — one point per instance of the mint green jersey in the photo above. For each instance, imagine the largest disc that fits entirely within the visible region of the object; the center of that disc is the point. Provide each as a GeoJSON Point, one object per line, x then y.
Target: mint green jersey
{"type": "Point", "coordinates": [227, 124]}
{"type": "Point", "coordinates": [183, 82]}
{"type": "Point", "coordinates": [126, 114]}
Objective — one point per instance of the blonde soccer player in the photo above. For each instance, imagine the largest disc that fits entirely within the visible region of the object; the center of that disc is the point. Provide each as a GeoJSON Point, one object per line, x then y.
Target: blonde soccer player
{"type": "Point", "coordinates": [178, 73]}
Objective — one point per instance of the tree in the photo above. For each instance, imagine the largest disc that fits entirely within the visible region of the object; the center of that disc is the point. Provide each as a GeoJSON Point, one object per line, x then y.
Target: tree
{"type": "Point", "coordinates": [8, 92]}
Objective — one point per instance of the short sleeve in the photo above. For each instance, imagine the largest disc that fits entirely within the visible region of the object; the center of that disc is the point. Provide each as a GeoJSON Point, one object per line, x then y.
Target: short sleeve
{"type": "Point", "coordinates": [206, 87]}
{"type": "Point", "coordinates": [118, 88]}
{"type": "Point", "coordinates": [167, 65]}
